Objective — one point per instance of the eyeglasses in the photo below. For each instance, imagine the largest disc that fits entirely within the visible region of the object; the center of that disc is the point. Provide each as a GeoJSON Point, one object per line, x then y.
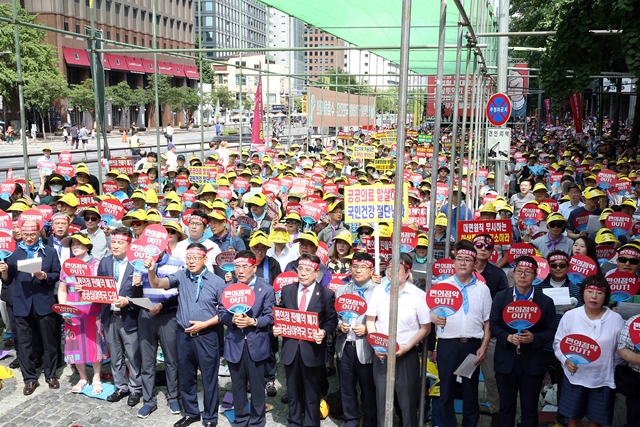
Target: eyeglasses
{"type": "Point", "coordinates": [193, 258]}
{"type": "Point", "coordinates": [171, 231]}
{"type": "Point", "coordinates": [136, 223]}
{"type": "Point", "coordinates": [365, 233]}
{"type": "Point", "coordinates": [555, 224]}
{"type": "Point", "coordinates": [30, 235]}
{"type": "Point", "coordinates": [486, 246]}
{"type": "Point", "coordinates": [359, 267]}
{"type": "Point", "coordinates": [243, 267]}
{"type": "Point", "coordinates": [621, 260]}
{"type": "Point", "coordinates": [196, 224]}
{"type": "Point", "coordinates": [91, 218]}
{"type": "Point", "coordinates": [523, 273]}
{"type": "Point", "coordinates": [465, 260]}
{"type": "Point", "coordinates": [306, 270]}
{"type": "Point", "coordinates": [291, 222]}
{"type": "Point", "coordinates": [561, 266]}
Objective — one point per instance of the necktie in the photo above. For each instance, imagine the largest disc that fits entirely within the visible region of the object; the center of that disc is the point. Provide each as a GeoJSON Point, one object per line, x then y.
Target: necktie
{"type": "Point", "coordinates": [198, 280]}
{"type": "Point", "coordinates": [361, 290]}
{"type": "Point", "coordinates": [551, 245]}
{"type": "Point", "coordinates": [303, 300]}
{"type": "Point", "coordinates": [463, 291]}
{"type": "Point", "coordinates": [116, 270]}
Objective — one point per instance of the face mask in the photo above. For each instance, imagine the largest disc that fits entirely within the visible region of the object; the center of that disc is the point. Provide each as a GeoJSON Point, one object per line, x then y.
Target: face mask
{"type": "Point", "coordinates": [421, 260]}
{"type": "Point", "coordinates": [56, 188]}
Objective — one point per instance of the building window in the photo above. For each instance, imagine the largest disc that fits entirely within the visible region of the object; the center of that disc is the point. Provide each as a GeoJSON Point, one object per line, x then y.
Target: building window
{"type": "Point", "coordinates": [208, 6]}
{"type": "Point", "coordinates": [220, 77]}
{"type": "Point", "coordinates": [66, 26]}
{"type": "Point", "coordinates": [126, 11]}
{"type": "Point", "coordinates": [78, 28]}
{"type": "Point", "coordinates": [142, 44]}
{"type": "Point", "coordinates": [117, 37]}
{"type": "Point", "coordinates": [108, 6]}
{"type": "Point", "coordinates": [118, 5]}
{"type": "Point", "coordinates": [108, 35]}
{"type": "Point", "coordinates": [366, 64]}
{"type": "Point", "coordinates": [126, 38]}
{"type": "Point", "coordinates": [135, 14]}
{"type": "Point", "coordinates": [135, 40]}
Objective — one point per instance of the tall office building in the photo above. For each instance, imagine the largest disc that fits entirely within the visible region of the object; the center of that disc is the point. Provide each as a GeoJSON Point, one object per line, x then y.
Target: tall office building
{"type": "Point", "coordinates": [285, 32]}
{"type": "Point", "coordinates": [221, 21]}
{"type": "Point", "coordinates": [321, 61]}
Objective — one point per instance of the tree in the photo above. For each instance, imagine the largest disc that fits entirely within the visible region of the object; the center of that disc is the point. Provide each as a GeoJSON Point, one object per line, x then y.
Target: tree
{"type": "Point", "coordinates": [164, 93]}
{"type": "Point", "coordinates": [185, 100]}
{"type": "Point", "coordinates": [41, 90]}
{"type": "Point", "coordinates": [82, 96]}
{"type": "Point", "coordinates": [342, 81]}
{"type": "Point", "coordinates": [226, 98]}
{"type": "Point", "coordinates": [206, 73]}
{"type": "Point", "coordinates": [121, 97]}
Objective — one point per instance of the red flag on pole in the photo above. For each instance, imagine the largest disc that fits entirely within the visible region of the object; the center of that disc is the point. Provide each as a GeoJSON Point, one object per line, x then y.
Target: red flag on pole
{"type": "Point", "coordinates": [257, 130]}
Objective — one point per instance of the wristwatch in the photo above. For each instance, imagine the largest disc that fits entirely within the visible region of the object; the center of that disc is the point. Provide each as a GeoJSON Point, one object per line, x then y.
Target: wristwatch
{"type": "Point", "coordinates": [255, 322]}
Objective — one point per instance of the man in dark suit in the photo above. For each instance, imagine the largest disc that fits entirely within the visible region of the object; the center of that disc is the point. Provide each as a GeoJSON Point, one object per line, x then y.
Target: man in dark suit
{"type": "Point", "coordinates": [247, 344]}
{"type": "Point", "coordinates": [120, 320]}
{"type": "Point", "coordinates": [33, 296]}
{"type": "Point", "coordinates": [304, 360]}
{"type": "Point", "coordinates": [520, 362]}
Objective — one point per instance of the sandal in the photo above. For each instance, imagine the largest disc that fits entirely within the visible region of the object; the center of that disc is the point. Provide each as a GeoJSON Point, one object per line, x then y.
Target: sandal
{"type": "Point", "coordinates": [97, 388]}
{"type": "Point", "coordinates": [79, 386]}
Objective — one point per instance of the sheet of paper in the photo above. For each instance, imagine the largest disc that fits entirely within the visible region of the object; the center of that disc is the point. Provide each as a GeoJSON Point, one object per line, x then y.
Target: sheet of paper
{"type": "Point", "coordinates": [594, 224]}
{"type": "Point", "coordinates": [560, 296]}
{"type": "Point", "coordinates": [142, 302]}
{"type": "Point", "coordinates": [32, 265]}
{"type": "Point", "coordinates": [467, 368]}
{"type": "Point", "coordinates": [628, 309]}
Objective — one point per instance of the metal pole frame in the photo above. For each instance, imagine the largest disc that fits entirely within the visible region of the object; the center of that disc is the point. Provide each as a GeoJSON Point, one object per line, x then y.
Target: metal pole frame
{"type": "Point", "coordinates": [97, 107]}
{"type": "Point", "coordinates": [241, 3]}
{"type": "Point", "coordinates": [23, 124]}
{"type": "Point", "coordinates": [398, 206]}
{"type": "Point", "coordinates": [155, 82]}
{"type": "Point", "coordinates": [199, 30]}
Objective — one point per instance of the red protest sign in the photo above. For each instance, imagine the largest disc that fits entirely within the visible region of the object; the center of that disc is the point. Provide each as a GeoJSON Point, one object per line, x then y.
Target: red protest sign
{"type": "Point", "coordinates": [442, 190]}
{"type": "Point", "coordinates": [6, 221]}
{"type": "Point", "coordinates": [182, 182]}
{"type": "Point", "coordinates": [553, 204]}
{"type": "Point", "coordinates": [97, 289]}
{"type": "Point", "coordinates": [188, 197]}
{"type": "Point", "coordinates": [272, 186]}
{"type": "Point", "coordinates": [136, 254]}
{"type": "Point", "coordinates": [622, 187]}
{"type": "Point", "coordinates": [65, 157]}
{"type": "Point", "coordinates": [66, 170]}
{"type": "Point", "coordinates": [580, 349]}
{"type": "Point", "coordinates": [335, 283]}
{"type": "Point", "coordinates": [155, 238]}
{"type": "Point", "coordinates": [111, 210]}
{"type": "Point", "coordinates": [286, 182]}
{"type": "Point", "coordinates": [555, 177]}
{"type": "Point", "coordinates": [46, 210]}
{"type": "Point", "coordinates": [634, 332]}
{"type": "Point", "coordinates": [444, 299]}
{"type": "Point", "coordinates": [312, 212]}
{"type": "Point", "coordinates": [66, 309]}
{"type": "Point", "coordinates": [299, 325]}
{"type": "Point", "coordinates": [530, 213]}
{"type": "Point", "coordinates": [623, 285]}
{"type": "Point", "coordinates": [123, 164]}
{"type": "Point", "coordinates": [581, 221]}
{"type": "Point", "coordinates": [7, 188]}
{"type": "Point", "coordinates": [109, 187]}
{"type": "Point", "coordinates": [580, 267]}
{"type": "Point", "coordinates": [75, 267]}
{"type": "Point", "coordinates": [323, 252]}
{"type": "Point", "coordinates": [273, 209]}
{"type": "Point", "coordinates": [284, 279]}
{"type": "Point", "coordinates": [386, 247]}
{"type": "Point", "coordinates": [225, 193]}
{"type": "Point", "coordinates": [224, 260]}
{"type": "Point", "coordinates": [408, 239]}
{"type": "Point", "coordinates": [380, 342]}
{"type": "Point", "coordinates": [443, 269]}
{"type": "Point", "coordinates": [501, 230]}
{"type": "Point", "coordinates": [85, 202]}
{"type": "Point", "coordinates": [238, 298]}
{"type": "Point", "coordinates": [417, 216]}
{"type": "Point", "coordinates": [606, 179]}
{"type": "Point", "coordinates": [605, 253]}
{"type": "Point", "coordinates": [128, 205]}
{"type": "Point", "coordinates": [143, 180]}
{"type": "Point", "coordinates": [31, 215]}
{"type": "Point", "coordinates": [520, 249]}
{"type": "Point", "coordinates": [350, 306]}
{"type": "Point", "coordinates": [635, 229]}
{"type": "Point", "coordinates": [619, 223]}
{"type": "Point", "coordinates": [543, 269]}
{"type": "Point", "coordinates": [521, 314]}
{"type": "Point", "coordinates": [241, 185]}
{"type": "Point", "coordinates": [7, 244]}
{"type": "Point", "coordinates": [74, 228]}
{"type": "Point", "coordinates": [331, 189]}
{"type": "Point", "coordinates": [247, 222]}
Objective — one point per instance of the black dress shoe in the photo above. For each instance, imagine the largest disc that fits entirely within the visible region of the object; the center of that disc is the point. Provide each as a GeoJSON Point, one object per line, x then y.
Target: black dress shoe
{"type": "Point", "coordinates": [134, 399]}
{"type": "Point", "coordinates": [186, 421]}
{"type": "Point", "coordinates": [209, 424]}
{"type": "Point", "coordinates": [284, 399]}
{"type": "Point", "coordinates": [29, 387]}
{"type": "Point", "coordinates": [53, 383]}
{"type": "Point", "coordinates": [117, 396]}
{"type": "Point", "coordinates": [15, 364]}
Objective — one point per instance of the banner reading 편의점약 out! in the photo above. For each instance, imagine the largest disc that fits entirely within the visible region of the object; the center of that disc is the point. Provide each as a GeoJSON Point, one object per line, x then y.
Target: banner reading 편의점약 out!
{"type": "Point", "coordinates": [373, 203]}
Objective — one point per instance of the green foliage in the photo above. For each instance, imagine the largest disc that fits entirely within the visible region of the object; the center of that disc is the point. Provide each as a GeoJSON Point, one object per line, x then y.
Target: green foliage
{"type": "Point", "coordinates": [37, 57]}
{"type": "Point", "coordinates": [120, 95]}
{"type": "Point", "coordinates": [185, 98]}
{"type": "Point", "coordinates": [225, 96]}
{"type": "Point", "coordinates": [164, 89]}
{"type": "Point", "coordinates": [41, 90]}
{"type": "Point", "coordinates": [81, 95]}
{"type": "Point", "coordinates": [342, 81]}
{"type": "Point", "coordinates": [629, 11]}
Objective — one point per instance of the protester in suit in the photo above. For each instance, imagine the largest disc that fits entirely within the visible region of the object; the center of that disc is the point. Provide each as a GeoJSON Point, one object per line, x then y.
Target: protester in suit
{"type": "Point", "coordinates": [198, 346]}
{"type": "Point", "coordinates": [414, 323]}
{"type": "Point", "coordinates": [120, 320]}
{"type": "Point", "coordinates": [355, 355]}
{"type": "Point", "coordinates": [33, 297]}
{"type": "Point", "coordinates": [305, 360]}
{"type": "Point", "coordinates": [247, 343]}
{"type": "Point", "coordinates": [520, 362]}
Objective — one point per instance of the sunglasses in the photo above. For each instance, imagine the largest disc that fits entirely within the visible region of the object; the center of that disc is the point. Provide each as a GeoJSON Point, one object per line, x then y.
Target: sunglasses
{"type": "Point", "coordinates": [556, 224]}
{"type": "Point", "coordinates": [171, 231]}
{"type": "Point", "coordinates": [365, 233]}
{"type": "Point", "coordinates": [486, 246]}
{"type": "Point", "coordinates": [554, 266]}
{"type": "Point", "coordinates": [91, 218]}
{"type": "Point", "coordinates": [632, 261]}
{"type": "Point", "coordinates": [136, 223]}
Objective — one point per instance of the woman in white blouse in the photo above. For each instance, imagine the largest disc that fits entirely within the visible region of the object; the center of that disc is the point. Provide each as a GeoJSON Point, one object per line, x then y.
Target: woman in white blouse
{"type": "Point", "coordinates": [587, 389]}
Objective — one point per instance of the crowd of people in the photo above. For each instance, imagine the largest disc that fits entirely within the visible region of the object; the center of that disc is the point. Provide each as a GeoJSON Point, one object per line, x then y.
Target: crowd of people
{"type": "Point", "coordinates": [249, 207]}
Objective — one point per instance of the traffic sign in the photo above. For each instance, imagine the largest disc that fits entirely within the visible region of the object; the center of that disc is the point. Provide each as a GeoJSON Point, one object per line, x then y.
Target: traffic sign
{"type": "Point", "coordinates": [498, 109]}
{"type": "Point", "coordinates": [498, 143]}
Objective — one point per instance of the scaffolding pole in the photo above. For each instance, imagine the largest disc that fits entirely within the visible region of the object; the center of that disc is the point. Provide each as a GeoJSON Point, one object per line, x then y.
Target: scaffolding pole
{"type": "Point", "coordinates": [201, 84]}
{"type": "Point", "coordinates": [155, 82]}
{"type": "Point", "coordinates": [97, 107]}
{"type": "Point", "coordinates": [23, 123]}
